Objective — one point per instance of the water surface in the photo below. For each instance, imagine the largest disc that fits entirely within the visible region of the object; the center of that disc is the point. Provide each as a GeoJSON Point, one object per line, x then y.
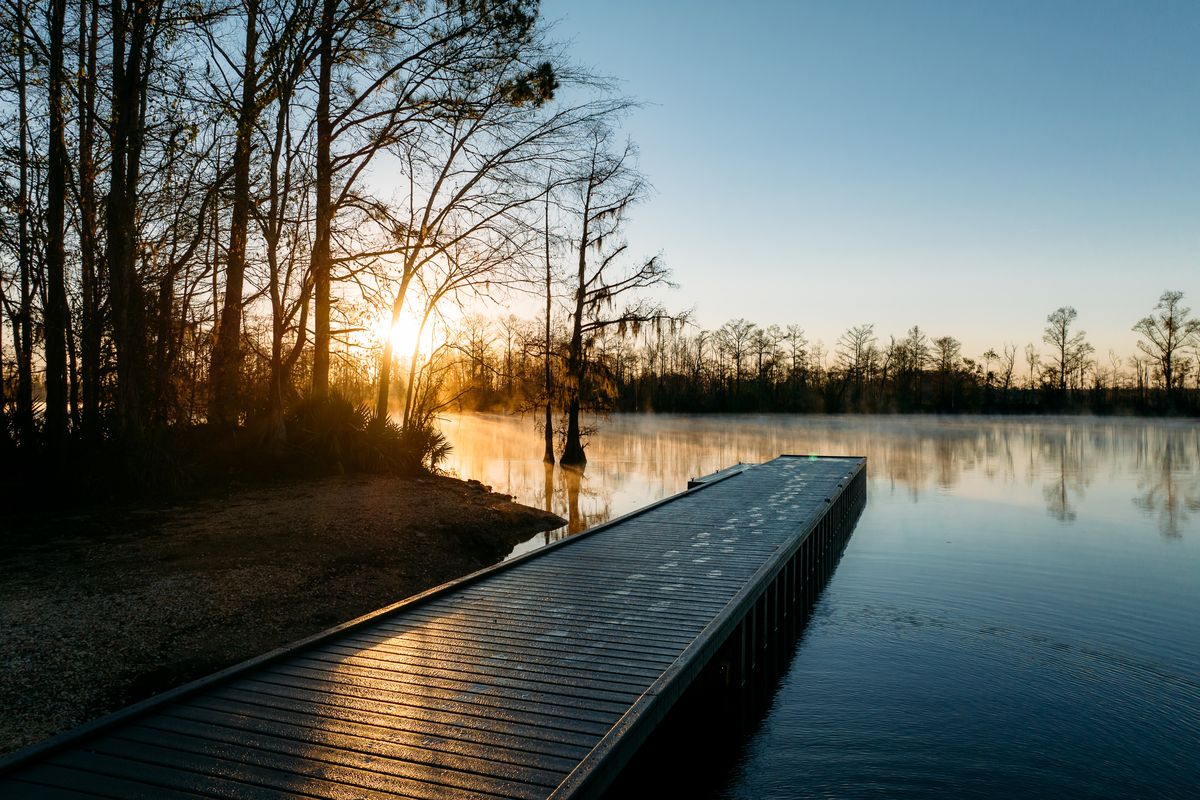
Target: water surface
{"type": "Point", "coordinates": [1017, 613]}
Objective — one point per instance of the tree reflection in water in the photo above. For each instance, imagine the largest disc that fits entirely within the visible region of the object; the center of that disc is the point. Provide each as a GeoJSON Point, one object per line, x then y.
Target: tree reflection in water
{"type": "Point", "coordinates": [1064, 459]}
{"type": "Point", "coordinates": [1169, 487]}
{"type": "Point", "coordinates": [1064, 465]}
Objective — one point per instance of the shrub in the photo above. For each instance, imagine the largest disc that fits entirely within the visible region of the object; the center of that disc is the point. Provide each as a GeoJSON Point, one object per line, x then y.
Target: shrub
{"type": "Point", "coordinates": [336, 433]}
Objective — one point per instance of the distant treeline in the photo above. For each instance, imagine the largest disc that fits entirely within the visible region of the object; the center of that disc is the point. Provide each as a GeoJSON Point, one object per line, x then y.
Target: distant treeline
{"type": "Point", "coordinates": [745, 367]}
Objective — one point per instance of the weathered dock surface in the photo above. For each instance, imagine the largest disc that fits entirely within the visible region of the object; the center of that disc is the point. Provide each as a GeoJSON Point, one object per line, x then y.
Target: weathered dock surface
{"type": "Point", "coordinates": [536, 678]}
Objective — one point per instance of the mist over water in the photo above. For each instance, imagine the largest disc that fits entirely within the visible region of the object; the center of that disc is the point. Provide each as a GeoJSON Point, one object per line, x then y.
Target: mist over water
{"type": "Point", "coordinates": [1017, 612]}
{"type": "Point", "coordinates": [1122, 466]}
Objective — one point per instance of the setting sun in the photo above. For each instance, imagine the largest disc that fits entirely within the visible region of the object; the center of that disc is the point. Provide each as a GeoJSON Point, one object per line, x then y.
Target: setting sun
{"type": "Point", "coordinates": [404, 335]}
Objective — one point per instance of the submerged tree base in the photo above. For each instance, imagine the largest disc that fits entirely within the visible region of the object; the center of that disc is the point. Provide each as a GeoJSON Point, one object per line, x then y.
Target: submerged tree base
{"type": "Point", "coordinates": [573, 459]}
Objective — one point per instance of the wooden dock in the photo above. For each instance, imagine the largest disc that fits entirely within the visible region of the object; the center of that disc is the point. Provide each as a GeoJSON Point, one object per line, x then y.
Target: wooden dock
{"type": "Point", "coordinates": [536, 678]}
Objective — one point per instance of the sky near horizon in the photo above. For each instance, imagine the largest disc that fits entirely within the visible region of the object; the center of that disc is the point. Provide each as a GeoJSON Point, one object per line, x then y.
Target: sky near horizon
{"type": "Point", "coordinates": [965, 166]}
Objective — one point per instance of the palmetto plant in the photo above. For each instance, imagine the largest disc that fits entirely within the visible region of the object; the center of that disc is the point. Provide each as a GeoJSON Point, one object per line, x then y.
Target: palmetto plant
{"type": "Point", "coordinates": [338, 431]}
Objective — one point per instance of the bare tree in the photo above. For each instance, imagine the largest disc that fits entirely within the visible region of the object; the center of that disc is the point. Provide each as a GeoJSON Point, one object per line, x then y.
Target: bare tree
{"type": "Point", "coordinates": [281, 209]}
{"type": "Point", "coordinates": [733, 340]}
{"type": "Point", "coordinates": [1033, 359]}
{"type": "Point", "coordinates": [470, 167]}
{"type": "Point", "coordinates": [55, 316]}
{"type": "Point", "coordinates": [1069, 348]}
{"type": "Point", "coordinates": [138, 28]}
{"type": "Point", "coordinates": [608, 185]}
{"type": "Point", "coordinates": [23, 202]}
{"type": "Point", "coordinates": [1116, 362]}
{"type": "Point", "coordinates": [1165, 334]}
{"type": "Point", "coordinates": [855, 349]}
{"type": "Point", "coordinates": [797, 349]}
{"type": "Point", "coordinates": [227, 350]}
{"type": "Point", "coordinates": [1008, 363]}
{"type": "Point", "coordinates": [466, 267]}
{"type": "Point", "coordinates": [946, 353]}
{"type": "Point", "coordinates": [91, 289]}
{"type": "Point", "coordinates": [989, 356]}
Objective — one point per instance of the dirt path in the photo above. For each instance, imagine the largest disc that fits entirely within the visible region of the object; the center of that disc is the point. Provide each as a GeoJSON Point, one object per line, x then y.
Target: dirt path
{"type": "Point", "coordinates": [101, 610]}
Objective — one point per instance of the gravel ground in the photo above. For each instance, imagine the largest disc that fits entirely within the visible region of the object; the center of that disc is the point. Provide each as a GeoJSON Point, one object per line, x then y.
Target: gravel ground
{"type": "Point", "coordinates": [105, 608]}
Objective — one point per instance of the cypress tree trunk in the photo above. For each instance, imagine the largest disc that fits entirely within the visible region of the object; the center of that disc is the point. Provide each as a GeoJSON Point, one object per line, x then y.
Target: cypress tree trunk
{"type": "Point", "coordinates": [573, 455]}
{"type": "Point", "coordinates": [321, 257]}
{"type": "Point", "coordinates": [55, 314]}
{"type": "Point", "coordinates": [127, 297]}
{"type": "Point", "coordinates": [223, 403]}
{"type": "Point", "coordinates": [24, 337]}
{"type": "Point", "coordinates": [90, 329]}
{"type": "Point", "coordinates": [548, 456]}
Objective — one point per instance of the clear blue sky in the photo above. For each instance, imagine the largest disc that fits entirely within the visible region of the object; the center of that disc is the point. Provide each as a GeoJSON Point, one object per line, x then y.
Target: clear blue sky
{"type": "Point", "coordinates": [966, 166]}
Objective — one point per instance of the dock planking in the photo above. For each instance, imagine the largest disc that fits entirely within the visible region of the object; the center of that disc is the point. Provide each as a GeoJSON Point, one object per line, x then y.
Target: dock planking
{"type": "Point", "coordinates": [536, 678]}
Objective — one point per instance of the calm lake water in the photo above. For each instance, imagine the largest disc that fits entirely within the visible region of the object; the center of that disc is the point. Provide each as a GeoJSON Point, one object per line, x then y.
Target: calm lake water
{"type": "Point", "coordinates": [1016, 614]}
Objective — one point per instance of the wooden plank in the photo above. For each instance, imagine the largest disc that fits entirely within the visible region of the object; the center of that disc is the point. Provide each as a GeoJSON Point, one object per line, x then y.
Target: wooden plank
{"type": "Point", "coordinates": [460, 677]}
{"type": "Point", "coordinates": [50, 778]}
{"type": "Point", "coordinates": [477, 655]}
{"type": "Point", "coordinates": [577, 600]}
{"type": "Point", "coordinates": [564, 625]}
{"type": "Point", "coordinates": [690, 603]}
{"type": "Point", "coordinates": [290, 723]}
{"type": "Point", "coordinates": [581, 717]}
{"type": "Point", "coordinates": [416, 663]}
{"type": "Point", "coordinates": [403, 718]}
{"type": "Point", "coordinates": [705, 585]}
{"type": "Point", "coordinates": [508, 692]}
{"type": "Point", "coordinates": [566, 599]}
{"type": "Point", "coordinates": [211, 779]}
{"type": "Point", "coordinates": [474, 647]}
{"type": "Point", "coordinates": [624, 644]}
{"type": "Point", "coordinates": [495, 611]}
{"type": "Point", "coordinates": [31, 786]}
{"type": "Point", "coordinates": [337, 762]}
{"type": "Point", "coordinates": [536, 625]}
{"type": "Point", "coordinates": [250, 774]}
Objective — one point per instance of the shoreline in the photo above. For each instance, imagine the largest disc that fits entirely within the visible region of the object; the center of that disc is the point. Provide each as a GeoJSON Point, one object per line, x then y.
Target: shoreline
{"type": "Point", "coordinates": [102, 608]}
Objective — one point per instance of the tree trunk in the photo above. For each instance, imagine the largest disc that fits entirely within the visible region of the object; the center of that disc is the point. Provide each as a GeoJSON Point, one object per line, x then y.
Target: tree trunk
{"type": "Point", "coordinates": [385, 364]}
{"type": "Point", "coordinates": [321, 256]}
{"type": "Point", "coordinates": [223, 403]}
{"type": "Point", "coordinates": [127, 295]}
{"type": "Point", "coordinates": [164, 353]}
{"type": "Point", "coordinates": [573, 455]}
{"type": "Point", "coordinates": [410, 389]}
{"type": "Point", "coordinates": [548, 456]}
{"type": "Point", "coordinates": [55, 314]}
{"type": "Point", "coordinates": [24, 334]}
{"type": "Point", "coordinates": [90, 328]}
{"type": "Point", "coordinates": [276, 429]}
{"type": "Point", "coordinates": [73, 378]}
